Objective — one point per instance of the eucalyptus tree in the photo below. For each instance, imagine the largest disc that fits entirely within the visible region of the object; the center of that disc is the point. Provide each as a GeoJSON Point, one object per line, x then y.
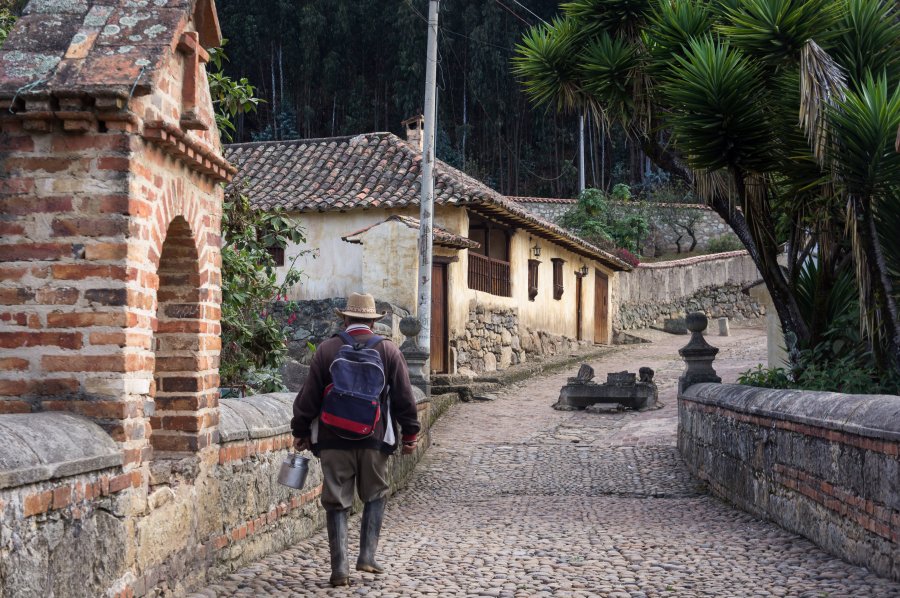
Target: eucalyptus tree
{"type": "Point", "coordinates": [782, 113]}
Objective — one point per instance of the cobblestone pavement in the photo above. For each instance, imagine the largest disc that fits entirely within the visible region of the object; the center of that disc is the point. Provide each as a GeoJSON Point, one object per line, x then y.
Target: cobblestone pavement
{"type": "Point", "coordinates": [515, 499]}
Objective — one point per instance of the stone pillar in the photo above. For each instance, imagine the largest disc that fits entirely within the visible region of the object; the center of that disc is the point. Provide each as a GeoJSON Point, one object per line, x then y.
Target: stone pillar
{"type": "Point", "coordinates": [698, 355]}
{"type": "Point", "coordinates": [416, 357]}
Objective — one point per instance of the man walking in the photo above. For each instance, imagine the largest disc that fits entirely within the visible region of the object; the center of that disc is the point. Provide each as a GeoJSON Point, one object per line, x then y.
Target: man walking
{"type": "Point", "coordinates": [355, 461]}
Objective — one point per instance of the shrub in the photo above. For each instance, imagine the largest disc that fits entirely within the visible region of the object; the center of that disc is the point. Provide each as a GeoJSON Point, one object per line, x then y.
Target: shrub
{"type": "Point", "coordinates": [724, 243]}
{"type": "Point", "coordinates": [627, 257]}
{"type": "Point", "coordinates": [254, 338]}
{"type": "Point", "coordinates": [765, 377]}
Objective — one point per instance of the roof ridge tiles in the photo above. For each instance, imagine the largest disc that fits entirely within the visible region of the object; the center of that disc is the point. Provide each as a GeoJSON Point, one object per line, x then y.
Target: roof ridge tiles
{"type": "Point", "coordinates": [304, 141]}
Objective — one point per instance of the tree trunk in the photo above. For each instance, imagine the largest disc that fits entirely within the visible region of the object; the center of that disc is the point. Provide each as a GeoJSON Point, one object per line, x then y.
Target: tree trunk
{"type": "Point", "coordinates": [882, 292]}
{"type": "Point", "coordinates": [766, 262]}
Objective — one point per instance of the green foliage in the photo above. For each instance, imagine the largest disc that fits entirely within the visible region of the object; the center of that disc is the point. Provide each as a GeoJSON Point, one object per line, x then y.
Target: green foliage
{"type": "Point", "coordinates": [7, 20]}
{"type": "Point", "coordinates": [622, 17]}
{"type": "Point", "coordinates": [869, 40]}
{"type": "Point", "coordinates": [344, 67]}
{"type": "Point", "coordinates": [718, 85]}
{"type": "Point", "coordinates": [230, 97]}
{"type": "Point", "coordinates": [865, 126]}
{"type": "Point", "coordinates": [544, 63]}
{"type": "Point", "coordinates": [723, 243]}
{"type": "Point", "coordinates": [285, 128]}
{"type": "Point", "coordinates": [765, 377]}
{"type": "Point", "coordinates": [254, 339]}
{"type": "Point", "coordinates": [719, 107]}
{"type": "Point", "coordinates": [610, 64]}
{"type": "Point", "coordinates": [601, 222]}
{"type": "Point", "coordinates": [775, 30]}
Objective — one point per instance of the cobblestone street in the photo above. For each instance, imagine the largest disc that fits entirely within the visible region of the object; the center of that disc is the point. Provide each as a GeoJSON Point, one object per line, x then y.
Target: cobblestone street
{"type": "Point", "coordinates": [515, 499]}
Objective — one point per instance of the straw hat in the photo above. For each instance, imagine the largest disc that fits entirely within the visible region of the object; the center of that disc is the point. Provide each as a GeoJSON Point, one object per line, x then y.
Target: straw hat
{"type": "Point", "coordinates": [361, 306]}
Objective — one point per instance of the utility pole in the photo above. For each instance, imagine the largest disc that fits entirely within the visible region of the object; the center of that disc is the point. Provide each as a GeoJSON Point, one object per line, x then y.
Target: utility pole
{"type": "Point", "coordinates": [426, 209]}
{"type": "Point", "coordinates": [581, 153]}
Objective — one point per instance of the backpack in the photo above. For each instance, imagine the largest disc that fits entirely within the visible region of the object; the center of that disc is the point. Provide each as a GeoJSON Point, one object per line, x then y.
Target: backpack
{"type": "Point", "coordinates": [351, 406]}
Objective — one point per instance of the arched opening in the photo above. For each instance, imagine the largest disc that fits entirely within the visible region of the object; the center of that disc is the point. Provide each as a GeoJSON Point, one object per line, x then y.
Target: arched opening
{"type": "Point", "coordinates": [178, 384]}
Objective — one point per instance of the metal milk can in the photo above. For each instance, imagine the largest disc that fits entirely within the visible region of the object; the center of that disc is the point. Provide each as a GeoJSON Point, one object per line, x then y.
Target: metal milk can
{"type": "Point", "coordinates": [294, 470]}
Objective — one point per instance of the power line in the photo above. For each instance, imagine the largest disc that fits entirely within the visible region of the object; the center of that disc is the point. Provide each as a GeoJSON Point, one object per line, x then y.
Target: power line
{"type": "Point", "coordinates": [532, 12]}
{"type": "Point", "coordinates": [456, 33]}
{"type": "Point", "coordinates": [512, 12]}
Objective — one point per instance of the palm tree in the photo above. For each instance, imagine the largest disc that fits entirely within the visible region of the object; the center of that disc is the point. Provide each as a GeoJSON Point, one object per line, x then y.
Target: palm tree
{"type": "Point", "coordinates": [778, 111]}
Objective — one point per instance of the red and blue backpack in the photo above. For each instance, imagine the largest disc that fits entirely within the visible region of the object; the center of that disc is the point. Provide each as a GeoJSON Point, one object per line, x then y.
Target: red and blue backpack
{"type": "Point", "coordinates": [351, 406]}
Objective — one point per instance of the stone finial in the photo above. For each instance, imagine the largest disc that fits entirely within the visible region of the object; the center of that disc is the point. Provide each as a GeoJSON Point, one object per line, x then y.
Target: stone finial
{"type": "Point", "coordinates": [410, 327]}
{"type": "Point", "coordinates": [698, 355]}
{"type": "Point", "coordinates": [416, 357]}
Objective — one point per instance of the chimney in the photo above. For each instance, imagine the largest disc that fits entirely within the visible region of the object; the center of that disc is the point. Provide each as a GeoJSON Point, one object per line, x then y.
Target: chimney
{"type": "Point", "coordinates": [414, 127]}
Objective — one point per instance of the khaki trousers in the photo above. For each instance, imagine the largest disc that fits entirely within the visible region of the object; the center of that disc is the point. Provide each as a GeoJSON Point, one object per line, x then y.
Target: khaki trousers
{"type": "Point", "coordinates": [343, 470]}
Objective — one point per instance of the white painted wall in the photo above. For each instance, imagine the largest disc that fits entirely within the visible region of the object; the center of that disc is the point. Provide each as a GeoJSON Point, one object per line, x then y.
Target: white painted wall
{"type": "Point", "coordinates": [386, 266]}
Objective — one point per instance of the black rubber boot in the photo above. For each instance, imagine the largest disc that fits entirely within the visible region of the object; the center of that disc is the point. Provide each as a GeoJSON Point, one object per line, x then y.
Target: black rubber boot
{"type": "Point", "coordinates": [337, 544]}
{"type": "Point", "coordinates": [373, 516]}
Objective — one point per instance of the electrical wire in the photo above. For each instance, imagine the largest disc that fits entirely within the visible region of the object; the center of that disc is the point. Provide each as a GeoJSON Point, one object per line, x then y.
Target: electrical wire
{"type": "Point", "coordinates": [532, 12]}
{"type": "Point", "coordinates": [512, 12]}
{"type": "Point", "coordinates": [456, 33]}
{"type": "Point", "coordinates": [443, 31]}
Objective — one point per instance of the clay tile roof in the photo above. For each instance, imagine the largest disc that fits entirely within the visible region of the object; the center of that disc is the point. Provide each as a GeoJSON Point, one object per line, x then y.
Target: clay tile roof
{"type": "Point", "coordinates": [97, 47]}
{"type": "Point", "coordinates": [440, 236]}
{"type": "Point", "coordinates": [375, 170]}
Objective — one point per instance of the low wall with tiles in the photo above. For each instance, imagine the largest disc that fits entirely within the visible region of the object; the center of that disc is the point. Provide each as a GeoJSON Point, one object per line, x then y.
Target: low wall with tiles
{"type": "Point", "coordinates": [65, 498]}
{"type": "Point", "coordinates": [823, 465]}
{"type": "Point", "coordinates": [710, 284]}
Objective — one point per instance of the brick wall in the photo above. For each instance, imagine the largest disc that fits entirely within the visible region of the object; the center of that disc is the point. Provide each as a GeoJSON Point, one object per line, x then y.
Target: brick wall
{"type": "Point", "coordinates": [823, 465]}
{"type": "Point", "coordinates": [110, 219]}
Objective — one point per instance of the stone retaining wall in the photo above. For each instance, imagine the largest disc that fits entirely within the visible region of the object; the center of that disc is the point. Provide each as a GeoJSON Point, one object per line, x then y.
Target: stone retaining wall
{"type": "Point", "coordinates": [66, 498]}
{"type": "Point", "coordinates": [493, 340]}
{"type": "Point", "coordinates": [823, 465]}
{"type": "Point", "coordinates": [711, 284]}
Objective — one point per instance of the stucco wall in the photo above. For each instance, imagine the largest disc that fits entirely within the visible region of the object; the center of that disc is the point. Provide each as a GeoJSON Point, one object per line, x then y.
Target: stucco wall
{"type": "Point", "coordinates": [823, 465]}
{"type": "Point", "coordinates": [385, 265]}
{"type": "Point", "coordinates": [709, 283]}
{"type": "Point", "coordinates": [545, 313]}
{"type": "Point", "coordinates": [331, 267]}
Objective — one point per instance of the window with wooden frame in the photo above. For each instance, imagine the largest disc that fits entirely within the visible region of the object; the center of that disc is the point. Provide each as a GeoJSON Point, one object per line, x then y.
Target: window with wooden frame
{"type": "Point", "coordinates": [533, 266]}
{"type": "Point", "coordinates": [277, 254]}
{"type": "Point", "coordinates": [558, 277]}
{"type": "Point", "coordinates": [489, 267]}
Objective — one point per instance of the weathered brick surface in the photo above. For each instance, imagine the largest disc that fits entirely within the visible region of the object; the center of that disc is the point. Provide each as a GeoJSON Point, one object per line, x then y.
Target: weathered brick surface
{"type": "Point", "coordinates": [823, 465]}
{"type": "Point", "coordinates": [110, 217]}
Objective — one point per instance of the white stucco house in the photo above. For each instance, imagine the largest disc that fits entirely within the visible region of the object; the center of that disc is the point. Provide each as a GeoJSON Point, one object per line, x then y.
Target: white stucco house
{"type": "Point", "coordinates": [504, 279]}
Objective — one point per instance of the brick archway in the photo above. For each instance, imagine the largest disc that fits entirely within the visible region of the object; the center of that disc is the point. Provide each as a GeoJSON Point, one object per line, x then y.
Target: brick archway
{"type": "Point", "coordinates": [184, 389]}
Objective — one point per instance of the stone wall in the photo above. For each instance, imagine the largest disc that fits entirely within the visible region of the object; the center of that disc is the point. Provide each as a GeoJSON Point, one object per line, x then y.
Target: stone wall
{"type": "Point", "coordinates": [823, 465]}
{"type": "Point", "coordinates": [711, 284]}
{"type": "Point", "coordinates": [314, 321]}
{"type": "Point", "coordinates": [494, 340]}
{"type": "Point", "coordinates": [66, 498]}
{"type": "Point", "coordinates": [667, 221]}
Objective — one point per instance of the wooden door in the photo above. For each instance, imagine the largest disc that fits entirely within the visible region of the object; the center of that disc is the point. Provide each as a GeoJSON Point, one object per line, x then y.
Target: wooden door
{"type": "Point", "coordinates": [439, 318]}
{"type": "Point", "coordinates": [578, 317]}
{"type": "Point", "coordinates": [601, 308]}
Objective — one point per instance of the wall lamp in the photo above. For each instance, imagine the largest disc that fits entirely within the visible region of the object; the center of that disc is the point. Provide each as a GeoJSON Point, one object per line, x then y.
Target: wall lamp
{"type": "Point", "coordinates": [536, 250]}
{"type": "Point", "coordinates": [583, 271]}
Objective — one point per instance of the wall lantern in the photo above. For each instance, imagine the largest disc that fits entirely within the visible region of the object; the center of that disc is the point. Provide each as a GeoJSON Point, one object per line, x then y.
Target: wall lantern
{"type": "Point", "coordinates": [536, 250]}
{"type": "Point", "coordinates": [583, 271]}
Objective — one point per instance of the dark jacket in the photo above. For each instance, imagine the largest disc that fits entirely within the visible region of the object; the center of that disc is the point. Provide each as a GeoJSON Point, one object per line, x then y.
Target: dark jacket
{"type": "Point", "coordinates": [397, 404]}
